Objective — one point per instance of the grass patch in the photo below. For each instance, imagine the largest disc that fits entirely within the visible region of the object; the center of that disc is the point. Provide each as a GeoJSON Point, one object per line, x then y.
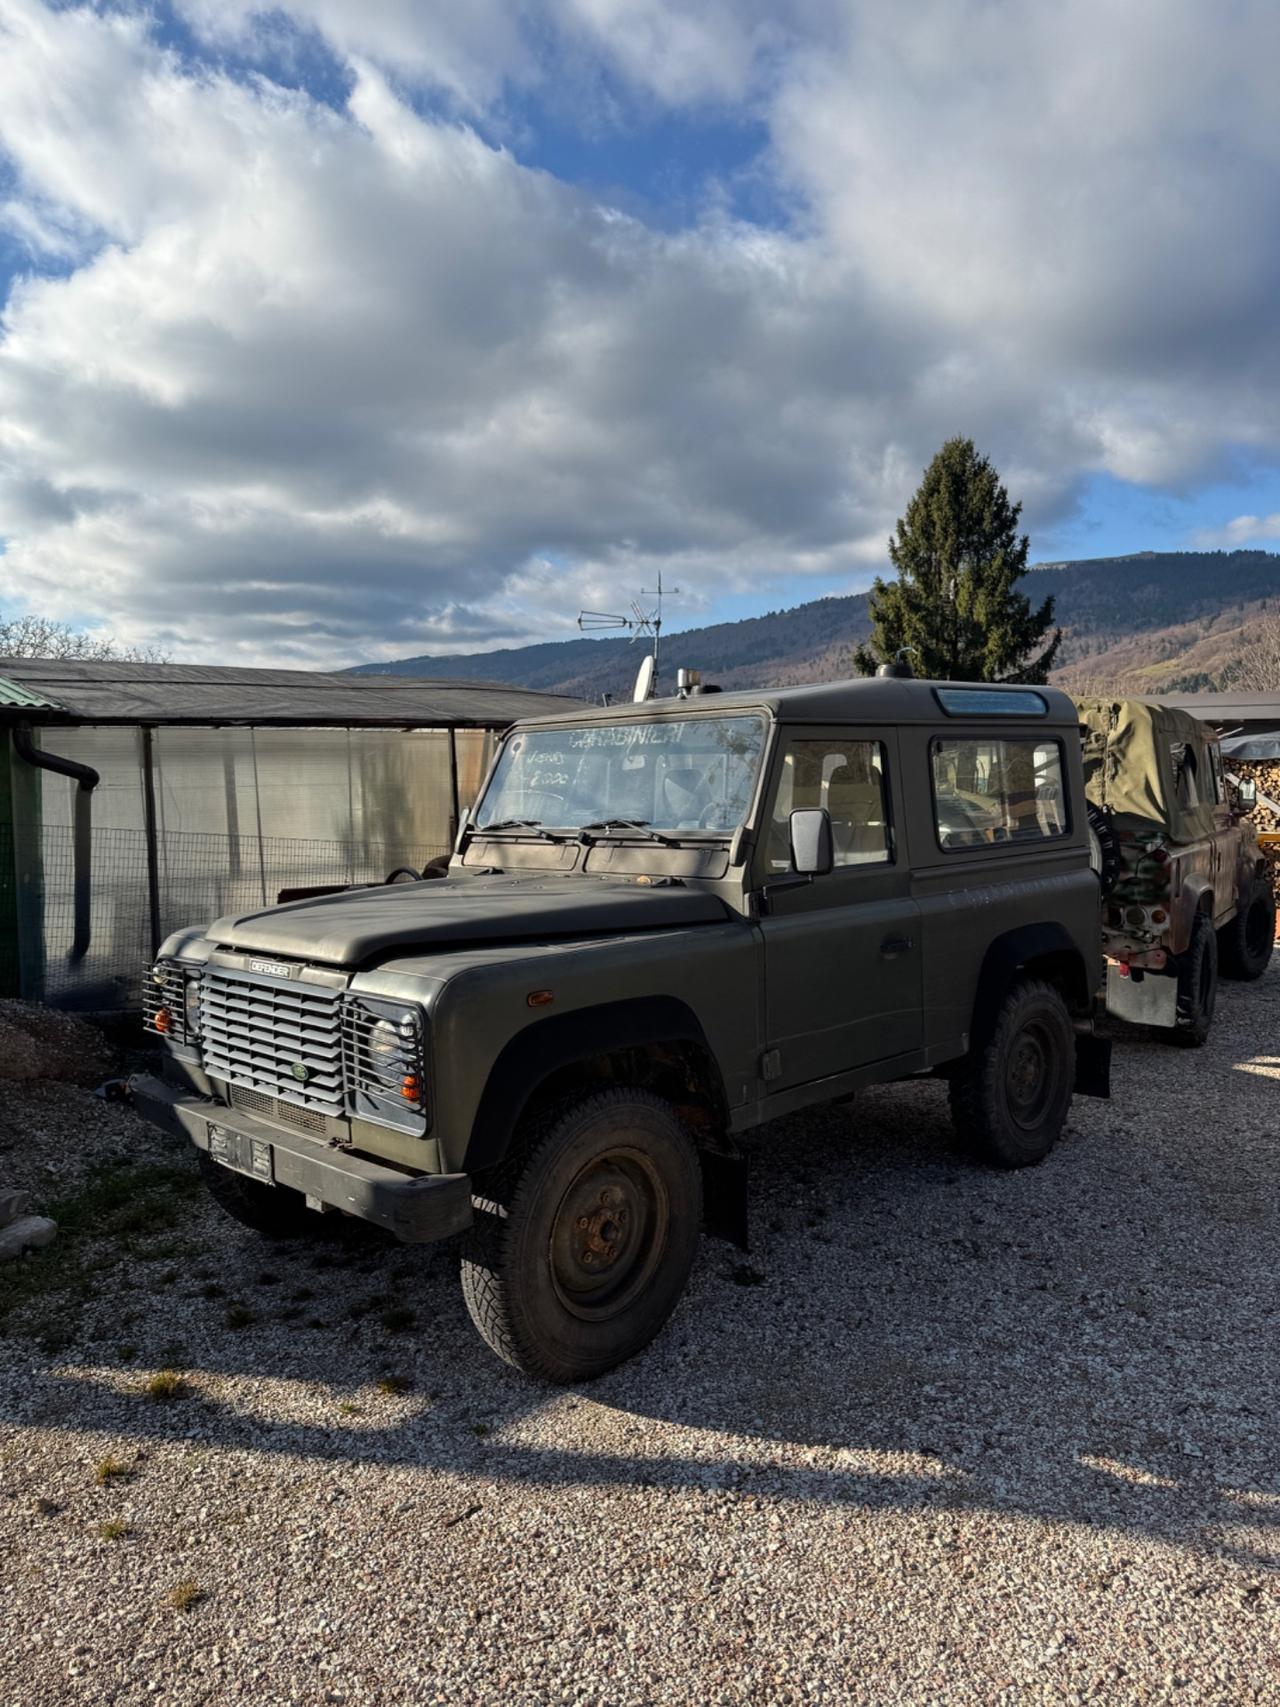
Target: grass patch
{"type": "Point", "coordinates": [349, 1410]}
{"type": "Point", "coordinates": [239, 1316]}
{"type": "Point", "coordinates": [185, 1594]}
{"type": "Point", "coordinates": [126, 1353]}
{"type": "Point", "coordinates": [165, 1386]}
{"type": "Point", "coordinates": [115, 1529]}
{"type": "Point", "coordinates": [109, 1469]}
{"type": "Point", "coordinates": [742, 1274]}
{"type": "Point", "coordinates": [391, 1384]}
{"type": "Point", "coordinates": [398, 1320]}
{"type": "Point", "coordinates": [212, 1291]}
{"type": "Point", "coordinates": [44, 1295]}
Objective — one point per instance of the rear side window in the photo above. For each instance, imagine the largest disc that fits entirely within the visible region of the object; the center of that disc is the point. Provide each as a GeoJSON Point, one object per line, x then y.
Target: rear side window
{"type": "Point", "coordinates": [987, 791]}
{"type": "Point", "coordinates": [848, 778]}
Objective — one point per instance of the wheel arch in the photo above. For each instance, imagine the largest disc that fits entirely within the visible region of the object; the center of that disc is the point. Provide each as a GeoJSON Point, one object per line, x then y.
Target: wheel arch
{"type": "Point", "coordinates": [655, 1042]}
{"type": "Point", "coordinates": [1046, 950]}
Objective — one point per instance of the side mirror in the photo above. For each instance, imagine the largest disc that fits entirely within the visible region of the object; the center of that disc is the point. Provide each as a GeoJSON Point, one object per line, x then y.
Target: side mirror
{"type": "Point", "coordinates": [812, 849]}
{"type": "Point", "coordinates": [1247, 793]}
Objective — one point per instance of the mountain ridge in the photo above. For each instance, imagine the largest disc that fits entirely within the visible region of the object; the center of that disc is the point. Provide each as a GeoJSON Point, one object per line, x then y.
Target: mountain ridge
{"type": "Point", "coordinates": [1146, 622]}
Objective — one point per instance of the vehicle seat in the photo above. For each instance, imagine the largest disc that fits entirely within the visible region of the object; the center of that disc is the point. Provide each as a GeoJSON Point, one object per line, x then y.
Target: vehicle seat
{"type": "Point", "coordinates": [857, 817]}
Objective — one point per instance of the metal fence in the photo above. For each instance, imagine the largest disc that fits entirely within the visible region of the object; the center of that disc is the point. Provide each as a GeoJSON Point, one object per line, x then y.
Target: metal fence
{"type": "Point", "coordinates": [200, 877]}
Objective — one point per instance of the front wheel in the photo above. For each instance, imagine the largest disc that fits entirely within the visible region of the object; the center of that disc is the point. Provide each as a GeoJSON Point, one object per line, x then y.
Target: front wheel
{"type": "Point", "coordinates": [1197, 969]}
{"type": "Point", "coordinates": [584, 1236]}
{"type": "Point", "coordinates": [1009, 1099]}
{"type": "Point", "coordinates": [1244, 945]}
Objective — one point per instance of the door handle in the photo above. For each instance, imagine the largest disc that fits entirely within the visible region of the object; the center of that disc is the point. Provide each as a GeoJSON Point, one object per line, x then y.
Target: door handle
{"type": "Point", "coordinates": [894, 946]}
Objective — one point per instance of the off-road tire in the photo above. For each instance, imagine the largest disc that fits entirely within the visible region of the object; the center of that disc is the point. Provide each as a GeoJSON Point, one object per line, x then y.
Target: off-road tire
{"type": "Point", "coordinates": [1245, 944]}
{"type": "Point", "coordinates": [1104, 849]}
{"type": "Point", "coordinates": [1197, 969]}
{"type": "Point", "coordinates": [272, 1210]}
{"type": "Point", "coordinates": [1009, 1098]}
{"type": "Point", "coordinates": [524, 1274]}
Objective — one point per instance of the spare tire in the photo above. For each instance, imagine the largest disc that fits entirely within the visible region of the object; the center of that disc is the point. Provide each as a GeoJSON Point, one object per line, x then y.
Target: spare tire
{"type": "Point", "coordinates": [1104, 848]}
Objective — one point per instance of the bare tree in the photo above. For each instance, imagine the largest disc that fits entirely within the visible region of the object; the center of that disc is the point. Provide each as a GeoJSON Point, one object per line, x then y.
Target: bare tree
{"type": "Point", "coordinates": [39, 637]}
{"type": "Point", "coordinates": [1257, 670]}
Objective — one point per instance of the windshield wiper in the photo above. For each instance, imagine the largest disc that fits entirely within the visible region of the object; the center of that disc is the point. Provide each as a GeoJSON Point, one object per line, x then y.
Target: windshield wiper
{"type": "Point", "coordinates": [519, 824]}
{"type": "Point", "coordinates": [640, 826]}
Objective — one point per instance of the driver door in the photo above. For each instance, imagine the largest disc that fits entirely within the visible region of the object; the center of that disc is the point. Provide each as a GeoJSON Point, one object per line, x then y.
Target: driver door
{"type": "Point", "coordinates": [842, 961]}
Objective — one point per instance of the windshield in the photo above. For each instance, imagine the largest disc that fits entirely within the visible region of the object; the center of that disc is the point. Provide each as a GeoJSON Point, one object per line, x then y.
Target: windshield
{"type": "Point", "coordinates": [671, 773]}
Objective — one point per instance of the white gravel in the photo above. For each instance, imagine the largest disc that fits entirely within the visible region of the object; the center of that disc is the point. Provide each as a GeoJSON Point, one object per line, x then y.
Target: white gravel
{"type": "Point", "coordinates": [970, 1438]}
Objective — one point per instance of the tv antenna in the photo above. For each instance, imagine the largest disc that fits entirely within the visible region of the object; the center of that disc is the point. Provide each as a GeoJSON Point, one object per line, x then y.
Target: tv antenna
{"type": "Point", "coordinates": [643, 621]}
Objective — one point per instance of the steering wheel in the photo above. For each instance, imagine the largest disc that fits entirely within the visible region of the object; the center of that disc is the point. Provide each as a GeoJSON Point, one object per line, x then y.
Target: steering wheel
{"type": "Point", "coordinates": [403, 874]}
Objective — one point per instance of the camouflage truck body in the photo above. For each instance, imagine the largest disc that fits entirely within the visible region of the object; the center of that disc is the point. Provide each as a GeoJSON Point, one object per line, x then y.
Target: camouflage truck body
{"type": "Point", "coordinates": [1185, 864]}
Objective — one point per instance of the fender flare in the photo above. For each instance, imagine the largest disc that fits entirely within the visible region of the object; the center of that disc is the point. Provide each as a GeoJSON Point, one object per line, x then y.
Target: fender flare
{"type": "Point", "coordinates": [1009, 953]}
{"type": "Point", "coordinates": [548, 1045]}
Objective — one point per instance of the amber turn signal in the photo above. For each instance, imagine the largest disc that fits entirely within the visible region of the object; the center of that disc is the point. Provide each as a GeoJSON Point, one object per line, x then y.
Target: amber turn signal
{"type": "Point", "coordinates": [163, 1020]}
{"type": "Point", "coordinates": [411, 1087]}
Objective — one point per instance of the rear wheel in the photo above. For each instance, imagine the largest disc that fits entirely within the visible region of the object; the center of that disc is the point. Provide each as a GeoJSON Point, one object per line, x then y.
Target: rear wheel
{"type": "Point", "coordinates": [1245, 945]}
{"type": "Point", "coordinates": [1009, 1099]}
{"type": "Point", "coordinates": [1197, 968]}
{"type": "Point", "coordinates": [584, 1237]}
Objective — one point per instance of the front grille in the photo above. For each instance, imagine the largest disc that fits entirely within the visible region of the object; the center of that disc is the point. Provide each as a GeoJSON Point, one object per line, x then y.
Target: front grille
{"type": "Point", "coordinates": [281, 1039]}
{"type": "Point", "coordinates": [254, 1102]}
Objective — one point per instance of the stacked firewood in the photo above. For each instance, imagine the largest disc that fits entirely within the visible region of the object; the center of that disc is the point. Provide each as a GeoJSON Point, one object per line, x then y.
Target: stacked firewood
{"type": "Point", "coordinates": [1265, 816]}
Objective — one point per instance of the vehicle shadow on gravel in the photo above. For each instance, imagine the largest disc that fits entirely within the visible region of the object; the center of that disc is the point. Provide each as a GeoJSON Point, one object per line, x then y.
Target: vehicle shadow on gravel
{"type": "Point", "coordinates": [1090, 1341]}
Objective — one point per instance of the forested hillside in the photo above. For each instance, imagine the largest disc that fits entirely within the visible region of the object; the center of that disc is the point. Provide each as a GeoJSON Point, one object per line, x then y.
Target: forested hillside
{"type": "Point", "coordinates": [1152, 622]}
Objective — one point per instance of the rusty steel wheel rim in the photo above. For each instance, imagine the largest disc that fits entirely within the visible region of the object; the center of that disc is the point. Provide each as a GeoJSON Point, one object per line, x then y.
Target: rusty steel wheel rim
{"type": "Point", "coordinates": [608, 1234]}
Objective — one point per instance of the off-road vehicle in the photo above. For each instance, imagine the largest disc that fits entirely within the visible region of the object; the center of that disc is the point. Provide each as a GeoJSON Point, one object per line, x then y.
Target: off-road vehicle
{"type": "Point", "coordinates": [1185, 886]}
{"type": "Point", "coordinates": [663, 925]}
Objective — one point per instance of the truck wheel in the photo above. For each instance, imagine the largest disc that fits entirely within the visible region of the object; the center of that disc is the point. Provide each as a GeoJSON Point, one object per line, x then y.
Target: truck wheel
{"type": "Point", "coordinates": [584, 1237]}
{"type": "Point", "coordinates": [1197, 969]}
{"type": "Point", "coordinates": [1009, 1100]}
{"type": "Point", "coordinates": [273, 1210]}
{"type": "Point", "coordinates": [1244, 945]}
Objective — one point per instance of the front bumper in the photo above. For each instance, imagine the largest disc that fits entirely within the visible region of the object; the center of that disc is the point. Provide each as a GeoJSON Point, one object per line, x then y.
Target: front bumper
{"type": "Point", "coordinates": [415, 1207]}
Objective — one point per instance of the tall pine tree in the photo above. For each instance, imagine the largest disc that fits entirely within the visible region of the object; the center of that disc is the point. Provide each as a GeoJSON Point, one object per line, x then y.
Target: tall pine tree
{"type": "Point", "coordinates": [955, 603]}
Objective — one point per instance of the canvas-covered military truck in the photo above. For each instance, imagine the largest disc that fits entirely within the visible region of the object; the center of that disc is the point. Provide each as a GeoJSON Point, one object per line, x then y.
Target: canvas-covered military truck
{"type": "Point", "coordinates": [1185, 888]}
{"type": "Point", "coordinates": [663, 925]}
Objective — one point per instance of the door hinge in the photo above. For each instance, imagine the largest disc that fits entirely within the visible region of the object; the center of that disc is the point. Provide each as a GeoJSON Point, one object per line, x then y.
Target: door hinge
{"type": "Point", "coordinates": [771, 1064]}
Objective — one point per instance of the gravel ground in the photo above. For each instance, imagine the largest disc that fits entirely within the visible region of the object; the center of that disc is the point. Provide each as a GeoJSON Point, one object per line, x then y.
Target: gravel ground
{"type": "Point", "coordinates": [945, 1435]}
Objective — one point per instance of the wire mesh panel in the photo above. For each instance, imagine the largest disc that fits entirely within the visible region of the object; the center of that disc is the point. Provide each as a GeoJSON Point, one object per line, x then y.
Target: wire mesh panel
{"type": "Point", "coordinates": [207, 877]}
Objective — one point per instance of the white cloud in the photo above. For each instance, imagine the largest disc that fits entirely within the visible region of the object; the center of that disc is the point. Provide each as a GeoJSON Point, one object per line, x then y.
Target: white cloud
{"type": "Point", "coordinates": [330, 382]}
{"type": "Point", "coordinates": [1241, 531]}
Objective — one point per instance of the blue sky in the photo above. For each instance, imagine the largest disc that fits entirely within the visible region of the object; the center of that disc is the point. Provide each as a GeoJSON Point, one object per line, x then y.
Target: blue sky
{"type": "Point", "coordinates": [335, 333]}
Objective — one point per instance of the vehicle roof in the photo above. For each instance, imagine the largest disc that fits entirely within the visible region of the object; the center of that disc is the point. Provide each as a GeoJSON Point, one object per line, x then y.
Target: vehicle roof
{"type": "Point", "coordinates": [865, 699]}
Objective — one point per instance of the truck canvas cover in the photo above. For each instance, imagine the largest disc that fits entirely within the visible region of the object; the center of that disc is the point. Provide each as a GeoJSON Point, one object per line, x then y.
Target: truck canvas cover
{"type": "Point", "coordinates": [1147, 763]}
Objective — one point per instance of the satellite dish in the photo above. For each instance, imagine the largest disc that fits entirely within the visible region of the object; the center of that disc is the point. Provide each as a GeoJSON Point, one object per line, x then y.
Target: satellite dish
{"type": "Point", "coordinates": [644, 681]}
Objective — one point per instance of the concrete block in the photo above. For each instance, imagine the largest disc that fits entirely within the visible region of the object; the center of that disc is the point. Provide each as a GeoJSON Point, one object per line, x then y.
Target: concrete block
{"type": "Point", "coordinates": [13, 1204]}
{"type": "Point", "coordinates": [27, 1233]}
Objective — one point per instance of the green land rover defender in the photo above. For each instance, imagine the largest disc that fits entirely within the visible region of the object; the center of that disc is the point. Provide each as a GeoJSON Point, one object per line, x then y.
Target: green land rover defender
{"type": "Point", "coordinates": [663, 924]}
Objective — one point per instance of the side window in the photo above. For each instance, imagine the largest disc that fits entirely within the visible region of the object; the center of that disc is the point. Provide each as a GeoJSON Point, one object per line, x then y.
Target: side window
{"type": "Point", "coordinates": [848, 778]}
{"type": "Point", "coordinates": [1186, 780]}
{"type": "Point", "coordinates": [1217, 783]}
{"type": "Point", "coordinates": [989, 791]}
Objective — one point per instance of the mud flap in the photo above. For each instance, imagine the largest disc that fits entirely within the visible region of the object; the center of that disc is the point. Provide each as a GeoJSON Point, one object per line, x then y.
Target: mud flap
{"type": "Point", "coordinates": [1149, 998]}
{"type": "Point", "coordinates": [1093, 1065]}
{"type": "Point", "coordinates": [724, 1195]}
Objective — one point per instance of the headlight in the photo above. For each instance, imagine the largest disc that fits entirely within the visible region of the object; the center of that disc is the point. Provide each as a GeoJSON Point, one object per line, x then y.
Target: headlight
{"type": "Point", "coordinates": [383, 1049]}
{"type": "Point", "coordinates": [171, 1002]}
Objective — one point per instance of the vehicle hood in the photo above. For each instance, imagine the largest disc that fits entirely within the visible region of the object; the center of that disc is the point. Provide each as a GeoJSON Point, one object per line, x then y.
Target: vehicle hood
{"type": "Point", "coordinates": [363, 925]}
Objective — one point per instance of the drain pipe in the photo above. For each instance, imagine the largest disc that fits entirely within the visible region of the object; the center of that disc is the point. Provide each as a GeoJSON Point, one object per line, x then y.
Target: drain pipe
{"type": "Point", "coordinates": [82, 842]}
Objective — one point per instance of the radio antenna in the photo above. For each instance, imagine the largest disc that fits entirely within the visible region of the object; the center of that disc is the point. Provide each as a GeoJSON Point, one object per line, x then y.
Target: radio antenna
{"type": "Point", "coordinates": [643, 621]}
